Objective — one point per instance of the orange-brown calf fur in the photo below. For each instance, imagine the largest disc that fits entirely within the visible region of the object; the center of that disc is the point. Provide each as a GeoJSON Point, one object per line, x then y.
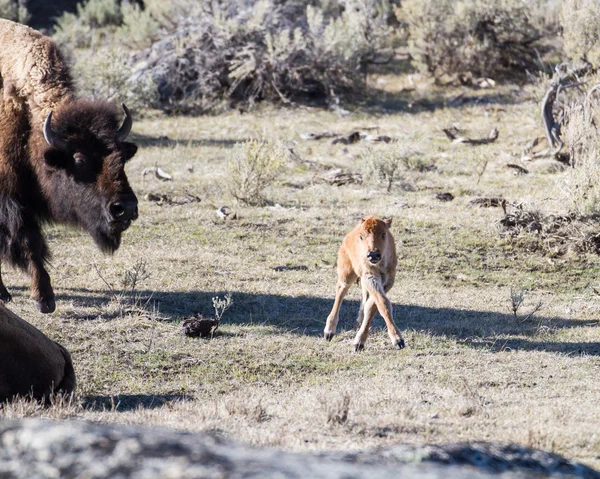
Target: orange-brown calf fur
{"type": "Point", "coordinates": [367, 254]}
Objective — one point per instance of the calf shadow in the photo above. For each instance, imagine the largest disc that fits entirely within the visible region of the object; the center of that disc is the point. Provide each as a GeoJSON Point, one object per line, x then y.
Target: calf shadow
{"type": "Point", "coordinates": [305, 315]}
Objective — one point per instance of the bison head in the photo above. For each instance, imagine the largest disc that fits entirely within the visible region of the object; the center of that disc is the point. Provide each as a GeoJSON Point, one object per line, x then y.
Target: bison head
{"type": "Point", "coordinates": [373, 235]}
{"type": "Point", "coordinates": [86, 169]}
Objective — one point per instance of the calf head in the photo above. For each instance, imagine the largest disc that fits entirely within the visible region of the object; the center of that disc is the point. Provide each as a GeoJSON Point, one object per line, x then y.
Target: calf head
{"type": "Point", "coordinates": [373, 236]}
{"type": "Point", "coordinates": [85, 155]}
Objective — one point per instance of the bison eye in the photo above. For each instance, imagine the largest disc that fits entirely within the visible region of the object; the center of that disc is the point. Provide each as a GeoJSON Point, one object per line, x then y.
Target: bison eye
{"type": "Point", "coordinates": [360, 237]}
{"type": "Point", "coordinates": [383, 235]}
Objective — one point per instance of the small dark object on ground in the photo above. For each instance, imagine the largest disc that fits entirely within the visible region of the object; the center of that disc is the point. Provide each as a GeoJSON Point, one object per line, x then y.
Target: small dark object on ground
{"type": "Point", "coordinates": [199, 326]}
{"type": "Point", "coordinates": [353, 137]}
{"type": "Point", "coordinates": [162, 199]}
{"type": "Point", "coordinates": [444, 196]}
{"type": "Point", "coordinates": [486, 202]}
{"type": "Point", "coordinates": [291, 268]}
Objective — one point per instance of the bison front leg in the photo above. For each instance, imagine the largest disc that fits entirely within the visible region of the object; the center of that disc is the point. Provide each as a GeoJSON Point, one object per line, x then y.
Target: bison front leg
{"type": "Point", "coordinates": [36, 252]}
{"type": "Point", "coordinates": [41, 289]}
{"type": "Point", "coordinates": [5, 296]}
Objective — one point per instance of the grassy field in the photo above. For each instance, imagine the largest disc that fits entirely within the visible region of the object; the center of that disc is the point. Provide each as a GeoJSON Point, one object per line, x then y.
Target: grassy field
{"type": "Point", "coordinates": [472, 369]}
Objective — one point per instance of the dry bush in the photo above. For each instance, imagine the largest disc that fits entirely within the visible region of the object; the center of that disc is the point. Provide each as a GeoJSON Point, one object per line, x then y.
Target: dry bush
{"type": "Point", "coordinates": [385, 164]}
{"type": "Point", "coordinates": [580, 20]}
{"type": "Point", "coordinates": [448, 37]}
{"type": "Point", "coordinates": [253, 166]}
{"type": "Point", "coordinates": [202, 53]}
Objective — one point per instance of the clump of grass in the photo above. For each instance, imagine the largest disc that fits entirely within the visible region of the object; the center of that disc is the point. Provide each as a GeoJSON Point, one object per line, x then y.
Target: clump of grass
{"type": "Point", "coordinates": [337, 411]}
{"type": "Point", "coordinates": [252, 166]}
{"type": "Point", "coordinates": [386, 164]}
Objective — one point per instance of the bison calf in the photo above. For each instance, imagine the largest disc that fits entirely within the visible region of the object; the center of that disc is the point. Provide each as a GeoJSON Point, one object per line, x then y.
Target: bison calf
{"type": "Point", "coordinates": [31, 364]}
{"type": "Point", "coordinates": [367, 255]}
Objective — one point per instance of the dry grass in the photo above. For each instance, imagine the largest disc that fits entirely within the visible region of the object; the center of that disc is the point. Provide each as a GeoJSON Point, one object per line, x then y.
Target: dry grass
{"type": "Point", "coordinates": [472, 369]}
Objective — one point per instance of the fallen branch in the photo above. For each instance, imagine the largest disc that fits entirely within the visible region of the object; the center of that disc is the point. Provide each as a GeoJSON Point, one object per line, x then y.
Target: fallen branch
{"type": "Point", "coordinates": [493, 136]}
{"type": "Point", "coordinates": [158, 172]}
{"type": "Point", "coordinates": [519, 170]}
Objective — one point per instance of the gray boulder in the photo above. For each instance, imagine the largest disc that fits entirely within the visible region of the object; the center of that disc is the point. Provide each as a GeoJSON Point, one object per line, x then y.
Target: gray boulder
{"type": "Point", "coordinates": [34, 448]}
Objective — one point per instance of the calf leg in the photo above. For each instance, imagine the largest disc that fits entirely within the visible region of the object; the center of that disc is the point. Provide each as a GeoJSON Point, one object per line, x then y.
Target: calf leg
{"type": "Point", "coordinates": [361, 311]}
{"type": "Point", "coordinates": [361, 336]}
{"type": "Point", "coordinates": [332, 320]}
{"type": "Point", "coordinates": [384, 306]}
{"type": "Point", "coordinates": [5, 296]}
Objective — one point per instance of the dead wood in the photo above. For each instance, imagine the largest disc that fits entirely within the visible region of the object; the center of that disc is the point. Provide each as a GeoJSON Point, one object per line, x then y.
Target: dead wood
{"type": "Point", "coordinates": [158, 173]}
{"type": "Point", "coordinates": [350, 139]}
{"type": "Point", "coordinates": [339, 177]}
{"type": "Point", "coordinates": [163, 199]}
{"type": "Point", "coordinates": [519, 170]}
{"type": "Point", "coordinates": [290, 268]}
{"type": "Point", "coordinates": [486, 202]}
{"type": "Point", "coordinates": [493, 136]}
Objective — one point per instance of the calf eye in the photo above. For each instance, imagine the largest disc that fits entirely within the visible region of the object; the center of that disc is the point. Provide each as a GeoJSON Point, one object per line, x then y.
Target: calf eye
{"type": "Point", "coordinates": [383, 235]}
{"type": "Point", "coordinates": [360, 238]}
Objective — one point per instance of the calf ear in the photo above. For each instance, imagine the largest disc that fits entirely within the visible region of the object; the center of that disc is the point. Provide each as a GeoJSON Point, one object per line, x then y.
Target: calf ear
{"type": "Point", "coordinates": [129, 150]}
{"type": "Point", "coordinates": [388, 222]}
{"type": "Point", "coordinates": [56, 158]}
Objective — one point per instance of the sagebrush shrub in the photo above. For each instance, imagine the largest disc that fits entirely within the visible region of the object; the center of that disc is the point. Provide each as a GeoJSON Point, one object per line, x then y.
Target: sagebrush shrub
{"type": "Point", "coordinates": [252, 166]}
{"type": "Point", "coordinates": [106, 74]}
{"type": "Point", "coordinates": [94, 22]}
{"type": "Point", "coordinates": [14, 10]}
{"type": "Point", "coordinates": [385, 164]}
{"type": "Point", "coordinates": [582, 185]}
{"type": "Point", "coordinates": [580, 20]}
{"type": "Point", "coordinates": [450, 37]}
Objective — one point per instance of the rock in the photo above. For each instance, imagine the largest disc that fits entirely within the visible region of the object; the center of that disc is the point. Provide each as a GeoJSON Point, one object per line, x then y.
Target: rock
{"type": "Point", "coordinates": [34, 448]}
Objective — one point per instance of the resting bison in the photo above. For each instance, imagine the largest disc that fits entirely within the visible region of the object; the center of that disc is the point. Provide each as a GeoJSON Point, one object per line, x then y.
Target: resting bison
{"type": "Point", "coordinates": [32, 364]}
{"type": "Point", "coordinates": [367, 254]}
{"type": "Point", "coordinates": [62, 159]}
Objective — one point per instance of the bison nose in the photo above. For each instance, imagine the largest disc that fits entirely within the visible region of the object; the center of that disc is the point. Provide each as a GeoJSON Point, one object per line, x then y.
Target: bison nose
{"type": "Point", "coordinates": [124, 210]}
{"type": "Point", "coordinates": [374, 256]}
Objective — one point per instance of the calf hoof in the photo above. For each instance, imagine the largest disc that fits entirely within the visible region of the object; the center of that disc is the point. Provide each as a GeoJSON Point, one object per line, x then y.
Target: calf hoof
{"type": "Point", "coordinates": [359, 347]}
{"type": "Point", "coordinates": [46, 306]}
{"type": "Point", "coordinates": [328, 336]}
{"type": "Point", "coordinates": [5, 296]}
{"type": "Point", "coordinates": [400, 344]}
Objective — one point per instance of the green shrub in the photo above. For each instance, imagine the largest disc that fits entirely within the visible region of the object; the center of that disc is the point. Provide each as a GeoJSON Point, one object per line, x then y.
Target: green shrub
{"type": "Point", "coordinates": [253, 166]}
{"type": "Point", "coordinates": [14, 10]}
{"type": "Point", "coordinates": [90, 25]}
{"type": "Point", "coordinates": [106, 74]}
{"type": "Point", "coordinates": [450, 37]}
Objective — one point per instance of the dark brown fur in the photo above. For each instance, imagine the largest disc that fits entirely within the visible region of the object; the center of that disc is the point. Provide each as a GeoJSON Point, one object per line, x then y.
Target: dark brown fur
{"type": "Point", "coordinates": [32, 364]}
{"type": "Point", "coordinates": [42, 184]}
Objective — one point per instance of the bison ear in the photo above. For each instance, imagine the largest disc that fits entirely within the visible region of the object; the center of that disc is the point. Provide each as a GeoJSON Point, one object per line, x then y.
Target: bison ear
{"type": "Point", "coordinates": [388, 222]}
{"type": "Point", "coordinates": [129, 150]}
{"type": "Point", "coordinates": [56, 158]}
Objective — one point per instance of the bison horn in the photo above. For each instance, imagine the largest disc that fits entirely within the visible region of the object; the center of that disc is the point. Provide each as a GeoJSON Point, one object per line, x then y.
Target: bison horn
{"type": "Point", "coordinates": [52, 139]}
{"type": "Point", "coordinates": [126, 126]}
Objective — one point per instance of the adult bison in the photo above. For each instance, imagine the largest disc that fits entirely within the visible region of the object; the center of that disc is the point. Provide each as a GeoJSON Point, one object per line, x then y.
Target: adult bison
{"type": "Point", "coordinates": [32, 364]}
{"type": "Point", "coordinates": [62, 159]}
